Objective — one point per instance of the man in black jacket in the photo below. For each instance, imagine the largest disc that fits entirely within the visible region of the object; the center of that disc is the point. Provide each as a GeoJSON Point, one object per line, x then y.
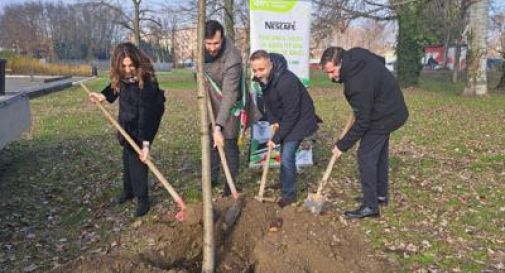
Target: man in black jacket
{"type": "Point", "coordinates": [379, 108]}
{"type": "Point", "coordinates": [288, 106]}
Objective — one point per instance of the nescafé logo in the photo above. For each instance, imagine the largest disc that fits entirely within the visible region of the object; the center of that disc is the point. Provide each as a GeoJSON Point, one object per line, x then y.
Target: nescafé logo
{"type": "Point", "coordinates": [276, 25]}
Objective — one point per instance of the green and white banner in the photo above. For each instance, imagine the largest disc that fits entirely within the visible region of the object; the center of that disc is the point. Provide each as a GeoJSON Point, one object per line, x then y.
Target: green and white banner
{"type": "Point", "coordinates": [283, 26]}
{"type": "Point", "coordinates": [280, 26]}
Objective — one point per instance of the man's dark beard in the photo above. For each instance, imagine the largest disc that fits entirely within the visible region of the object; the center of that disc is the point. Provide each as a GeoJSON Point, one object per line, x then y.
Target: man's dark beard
{"type": "Point", "coordinates": [209, 58]}
{"type": "Point", "coordinates": [214, 54]}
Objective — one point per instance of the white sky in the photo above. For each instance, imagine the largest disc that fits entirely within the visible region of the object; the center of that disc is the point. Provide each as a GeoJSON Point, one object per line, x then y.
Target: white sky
{"type": "Point", "coordinates": [496, 5]}
{"type": "Point", "coordinates": [3, 3]}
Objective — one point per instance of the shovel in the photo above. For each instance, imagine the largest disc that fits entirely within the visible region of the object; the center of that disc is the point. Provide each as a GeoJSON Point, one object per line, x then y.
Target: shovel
{"type": "Point", "coordinates": [222, 155]}
{"type": "Point", "coordinates": [234, 211]}
{"type": "Point", "coordinates": [315, 202]}
{"type": "Point", "coordinates": [180, 203]}
{"type": "Point", "coordinates": [266, 166]}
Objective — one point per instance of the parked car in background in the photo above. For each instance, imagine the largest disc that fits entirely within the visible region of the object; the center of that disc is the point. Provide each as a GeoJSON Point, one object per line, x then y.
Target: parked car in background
{"type": "Point", "coordinates": [494, 64]}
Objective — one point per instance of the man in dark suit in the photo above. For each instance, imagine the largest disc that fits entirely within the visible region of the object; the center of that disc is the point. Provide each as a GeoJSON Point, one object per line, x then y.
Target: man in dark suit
{"type": "Point", "coordinates": [379, 108]}
{"type": "Point", "coordinates": [223, 64]}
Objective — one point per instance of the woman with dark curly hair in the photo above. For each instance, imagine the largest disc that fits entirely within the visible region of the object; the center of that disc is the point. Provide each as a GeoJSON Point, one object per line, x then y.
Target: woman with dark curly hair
{"type": "Point", "coordinates": [141, 106]}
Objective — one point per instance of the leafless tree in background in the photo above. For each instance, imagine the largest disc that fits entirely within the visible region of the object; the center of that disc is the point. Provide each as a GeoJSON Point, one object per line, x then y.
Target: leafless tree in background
{"type": "Point", "coordinates": [176, 21]}
{"type": "Point", "coordinates": [229, 19]}
{"type": "Point", "coordinates": [477, 50]}
{"type": "Point", "coordinates": [131, 19]}
{"type": "Point", "coordinates": [59, 31]}
{"type": "Point", "coordinates": [24, 27]}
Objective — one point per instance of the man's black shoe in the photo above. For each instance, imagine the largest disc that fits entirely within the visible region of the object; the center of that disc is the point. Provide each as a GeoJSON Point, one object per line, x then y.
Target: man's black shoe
{"type": "Point", "coordinates": [142, 207]}
{"type": "Point", "coordinates": [122, 198]}
{"type": "Point", "coordinates": [213, 182]}
{"type": "Point", "coordinates": [362, 212]}
{"type": "Point", "coordinates": [382, 200]}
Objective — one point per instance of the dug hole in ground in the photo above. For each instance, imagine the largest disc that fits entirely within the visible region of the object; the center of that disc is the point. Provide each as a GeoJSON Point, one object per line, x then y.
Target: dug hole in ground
{"type": "Point", "coordinates": [297, 242]}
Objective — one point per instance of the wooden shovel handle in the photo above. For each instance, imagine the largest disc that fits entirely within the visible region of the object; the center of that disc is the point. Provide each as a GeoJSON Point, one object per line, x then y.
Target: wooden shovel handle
{"type": "Point", "coordinates": [220, 149]}
{"type": "Point", "coordinates": [266, 163]}
{"type": "Point", "coordinates": [329, 168]}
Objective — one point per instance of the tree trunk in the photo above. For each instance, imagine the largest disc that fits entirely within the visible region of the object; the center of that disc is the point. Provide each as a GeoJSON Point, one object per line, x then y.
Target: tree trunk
{"type": "Point", "coordinates": [447, 5]}
{"type": "Point", "coordinates": [228, 19]}
{"type": "Point", "coordinates": [247, 46]}
{"type": "Point", "coordinates": [501, 83]}
{"type": "Point", "coordinates": [476, 54]}
{"type": "Point", "coordinates": [455, 67]}
{"type": "Point", "coordinates": [174, 46]}
{"type": "Point", "coordinates": [208, 218]}
{"type": "Point", "coordinates": [136, 22]}
{"type": "Point", "coordinates": [446, 49]}
{"type": "Point", "coordinates": [462, 40]}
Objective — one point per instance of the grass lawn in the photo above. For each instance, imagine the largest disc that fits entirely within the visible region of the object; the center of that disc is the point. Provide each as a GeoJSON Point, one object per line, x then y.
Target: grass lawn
{"type": "Point", "coordinates": [447, 176]}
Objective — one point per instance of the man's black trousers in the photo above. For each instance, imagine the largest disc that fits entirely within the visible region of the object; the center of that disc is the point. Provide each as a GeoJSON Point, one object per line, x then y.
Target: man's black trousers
{"type": "Point", "coordinates": [232, 154]}
{"type": "Point", "coordinates": [373, 160]}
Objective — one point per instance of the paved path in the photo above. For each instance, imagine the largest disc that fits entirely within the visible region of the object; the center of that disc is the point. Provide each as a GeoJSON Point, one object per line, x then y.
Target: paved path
{"type": "Point", "coordinates": [24, 83]}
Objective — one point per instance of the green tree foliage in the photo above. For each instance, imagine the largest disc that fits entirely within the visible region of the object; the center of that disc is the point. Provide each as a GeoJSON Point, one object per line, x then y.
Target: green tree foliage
{"type": "Point", "coordinates": [410, 44]}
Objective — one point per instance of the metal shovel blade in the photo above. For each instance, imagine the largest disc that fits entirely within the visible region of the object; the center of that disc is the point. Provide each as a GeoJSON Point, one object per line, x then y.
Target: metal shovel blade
{"type": "Point", "coordinates": [233, 214]}
{"type": "Point", "coordinates": [314, 203]}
